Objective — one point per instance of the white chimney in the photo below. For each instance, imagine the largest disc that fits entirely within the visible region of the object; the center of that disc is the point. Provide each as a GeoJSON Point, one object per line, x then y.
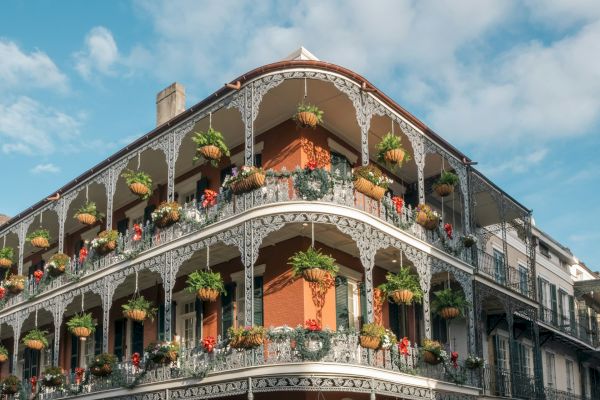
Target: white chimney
{"type": "Point", "coordinates": [169, 103]}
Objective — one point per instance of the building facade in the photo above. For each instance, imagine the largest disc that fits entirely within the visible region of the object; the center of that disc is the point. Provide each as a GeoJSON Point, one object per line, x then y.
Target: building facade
{"type": "Point", "coordinates": [535, 327]}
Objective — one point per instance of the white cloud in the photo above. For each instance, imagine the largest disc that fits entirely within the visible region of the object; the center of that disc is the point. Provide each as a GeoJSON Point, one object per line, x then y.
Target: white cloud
{"type": "Point", "coordinates": [29, 127]}
{"type": "Point", "coordinates": [100, 54]}
{"type": "Point", "coordinates": [520, 163]}
{"type": "Point", "coordinates": [19, 70]}
{"type": "Point", "coordinates": [45, 169]}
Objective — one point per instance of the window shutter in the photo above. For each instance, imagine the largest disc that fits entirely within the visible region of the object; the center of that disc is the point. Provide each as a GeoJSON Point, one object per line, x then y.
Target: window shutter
{"type": "Point", "coordinates": [572, 315]}
{"type": "Point", "coordinates": [161, 322]}
{"type": "Point", "coordinates": [495, 349]}
{"type": "Point", "coordinates": [224, 172]}
{"type": "Point", "coordinates": [98, 339]}
{"type": "Point", "coordinates": [74, 352]}
{"type": "Point", "coordinates": [258, 301]}
{"type": "Point", "coordinates": [341, 303]}
{"type": "Point", "coordinates": [199, 307]}
{"type": "Point", "coordinates": [554, 303]}
{"type": "Point", "coordinates": [200, 186]}
{"type": "Point", "coordinates": [122, 225]}
{"type": "Point", "coordinates": [173, 318]}
{"type": "Point", "coordinates": [258, 160]}
{"type": "Point", "coordinates": [227, 308]}
{"type": "Point", "coordinates": [363, 304]}
{"type": "Point", "coordinates": [148, 213]}
{"type": "Point", "coordinates": [137, 338]}
{"type": "Point", "coordinates": [394, 320]}
{"type": "Point", "coordinates": [119, 336]}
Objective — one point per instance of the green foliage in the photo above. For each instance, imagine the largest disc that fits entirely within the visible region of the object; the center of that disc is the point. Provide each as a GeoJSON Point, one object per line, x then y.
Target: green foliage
{"type": "Point", "coordinates": [11, 381]}
{"type": "Point", "coordinates": [447, 178]}
{"type": "Point", "coordinates": [139, 302]}
{"type": "Point", "coordinates": [433, 346]}
{"type": "Point", "coordinates": [7, 252]}
{"type": "Point", "coordinates": [59, 259]}
{"type": "Point", "coordinates": [373, 330]}
{"type": "Point", "coordinates": [103, 359]}
{"type": "Point", "coordinates": [372, 174]}
{"type": "Point", "coordinates": [245, 331]}
{"type": "Point", "coordinates": [311, 108]}
{"type": "Point", "coordinates": [449, 298]}
{"type": "Point", "coordinates": [312, 258]}
{"type": "Point", "coordinates": [403, 280]}
{"type": "Point", "coordinates": [83, 320]}
{"type": "Point", "coordinates": [89, 208]}
{"type": "Point", "coordinates": [36, 334]}
{"type": "Point", "coordinates": [109, 236]}
{"type": "Point", "coordinates": [145, 179]}
{"type": "Point", "coordinates": [205, 279]}
{"type": "Point", "coordinates": [210, 138]}
{"type": "Point", "coordinates": [3, 350]}
{"type": "Point", "coordinates": [45, 233]}
{"type": "Point", "coordinates": [387, 143]}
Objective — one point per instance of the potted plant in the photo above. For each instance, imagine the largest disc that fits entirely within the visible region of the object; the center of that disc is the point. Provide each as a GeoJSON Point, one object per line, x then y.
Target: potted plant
{"type": "Point", "coordinates": [469, 240]}
{"type": "Point", "coordinates": [163, 352]}
{"type": "Point", "coordinates": [474, 362]}
{"type": "Point", "coordinates": [167, 213]}
{"type": "Point", "coordinates": [308, 115]}
{"type": "Point", "coordinates": [402, 287]}
{"type": "Point", "coordinates": [105, 242]}
{"type": "Point", "coordinates": [432, 352]}
{"type": "Point", "coordinates": [6, 257]}
{"type": "Point", "coordinates": [210, 145]}
{"type": "Point", "coordinates": [313, 265]}
{"type": "Point", "coordinates": [53, 377]}
{"type": "Point", "coordinates": [88, 213]}
{"type": "Point", "coordinates": [246, 179]}
{"type": "Point", "coordinates": [57, 264]}
{"type": "Point", "coordinates": [138, 308]}
{"type": "Point", "coordinates": [11, 385]}
{"type": "Point", "coordinates": [449, 303]}
{"type": "Point", "coordinates": [390, 150]}
{"type": "Point", "coordinates": [246, 337]}
{"type": "Point", "coordinates": [39, 238]}
{"type": "Point", "coordinates": [206, 284]}
{"type": "Point", "coordinates": [426, 217]}
{"type": "Point", "coordinates": [371, 336]}
{"type": "Point", "coordinates": [444, 186]}
{"type": "Point", "coordinates": [35, 339]}
{"type": "Point", "coordinates": [81, 325]}
{"type": "Point", "coordinates": [103, 364]}
{"type": "Point", "coordinates": [3, 354]}
{"type": "Point", "coordinates": [139, 182]}
{"type": "Point", "coordinates": [15, 283]}
{"type": "Point", "coordinates": [370, 181]}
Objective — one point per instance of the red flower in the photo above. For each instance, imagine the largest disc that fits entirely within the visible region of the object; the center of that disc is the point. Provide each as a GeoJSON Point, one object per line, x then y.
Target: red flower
{"type": "Point", "coordinates": [79, 374]}
{"type": "Point", "coordinates": [209, 198]}
{"type": "Point", "coordinates": [137, 235]}
{"type": "Point", "coordinates": [448, 229]}
{"type": "Point", "coordinates": [83, 253]}
{"type": "Point", "coordinates": [135, 360]}
{"type": "Point", "coordinates": [312, 325]}
{"type": "Point", "coordinates": [33, 381]}
{"type": "Point", "coordinates": [38, 274]}
{"type": "Point", "coordinates": [209, 344]}
{"type": "Point", "coordinates": [311, 165]}
{"type": "Point", "coordinates": [454, 358]}
{"type": "Point", "coordinates": [2, 292]}
{"type": "Point", "coordinates": [399, 203]}
{"type": "Point", "coordinates": [403, 346]}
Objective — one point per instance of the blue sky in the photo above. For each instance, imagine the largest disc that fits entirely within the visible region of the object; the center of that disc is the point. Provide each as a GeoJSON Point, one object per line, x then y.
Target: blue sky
{"type": "Point", "coordinates": [513, 84]}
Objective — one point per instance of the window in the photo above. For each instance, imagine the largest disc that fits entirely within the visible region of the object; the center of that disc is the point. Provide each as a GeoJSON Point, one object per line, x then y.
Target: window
{"type": "Point", "coordinates": [347, 303]}
{"type": "Point", "coordinates": [499, 267]}
{"type": "Point", "coordinates": [550, 370]}
{"type": "Point", "coordinates": [501, 352]}
{"type": "Point", "coordinates": [562, 309]}
{"type": "Point", "coordinates": [340, 165]}
{"type": "Point", "coordinates": [238, 303]}
{"type": "Point", "coordinates": [523, 280]}
{"type": "Point", "coordinates": [119, 344]}
{"type": "Point", "coordinates": [523, 355]}
{"type": "Point", "coordinates": [569, 372]}
{"type": "Point", "coordinates": [544, 250]}
{"type": "Point", "coordinates": [187, 322]}
{"type": "Point", "coordinates": [227, 308]}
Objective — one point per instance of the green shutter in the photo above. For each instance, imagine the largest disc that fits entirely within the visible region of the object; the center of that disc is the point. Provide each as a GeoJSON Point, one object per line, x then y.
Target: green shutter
{"type": "Point", "coordinates": [148, 213]}
{"type": "Point", "coordinates": [554, 304]}
{"type": "Point", "coordinates": [98, 338]}
{"type": "Point", "coordinates": [119, 338]}
{"type": "Point", "coordinates": [161, 322]}
{"type": "Point", "coordinates": [394, 320]}
{"type": "Point", "coordinates": [572, 315]}
{"type": "Point", "coordinates": [74, 352]}
{"type": "Point", "coordinates": [199, 307]}
{"type": "Point", "coordinates": [342, 319]}
{"type": "Point", "coordinates": [137, 338]}
{"type": "Point", "coordinates": [363, 304]}
{"type": "Point", "coordinates": [258, 301]}
{"type": "Point", "coordinates": [122, 225]}
{"type": "Point", "coordinates": [227, 308]}
{"type": "Point", "coordinates": [541, 297]}
{"type": "Point", "coordinates": [200, 186]}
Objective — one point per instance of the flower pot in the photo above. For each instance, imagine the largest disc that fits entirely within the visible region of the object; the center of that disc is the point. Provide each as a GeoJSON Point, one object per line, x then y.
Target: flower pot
{"type": "Point", "coordinates": [253, 340]}
{"type": "Point", "coordinates": [107, 247]}
{"type": "Point", "coordinates": [370, 342]}
{"type": "Point", "coordinates": [472, 364]}
{"type": "Point", "coordinates": [249, 183]}
{"type": "Point", "coordinates": [103, 370]}
{"type": "Point", "coordinates": [307, 119]}
{"type": "Point", "coordinates": [449, 312]}
{"type": "Point", "coordinates": [57, 270]}
{"type": "Point", "coordinates": [53, 382]}
{"type": "Point", "coordinates": [171, 356]}
{"type": "Point", "coordinates": [395, 156]}
{"type": "Point", "coordinates": [17, 287]}
{"type": "Point", "coordinates": [430, 358]}
{"type": "Point", "coordinates": [34, 344]}
{"type": "Point", "coordinates": [5, 262]}
{"type": "Point", "coordinates": [139, 189]}
{"type": "Point", "coordinates": [208, 294]}
{"type": "Point", "coordinates": [369, 189]}
{"type": "Point", "coordinates": [426, 222]}
{"type": "Point", "coordinates": [136, 315]}
{"type": "Point", "coordinates": [210, 152]}
{"type": "Point", "coordinates": [314, 274]}
{"type": "Point", "coordinates": [468, 242]}
{"type": "Point", "coordinates": [40, 242]}
{"type": "Point", "coordinates": [403, 296]}
{"type": "Point", "coordinates": [82, 331]}
{"type": "Point", "coordinates": [86, 219]}
{"type": "Point", "coordinates": [3, 358]}
{"type": "Point", "coordinates": [168, 219]}
{"type": "Point", "coordinates": [236, 342]}
{"type": "Point", "coordinates": [443, 189]}
{"type": "Point", "coordinates": [10, 389]}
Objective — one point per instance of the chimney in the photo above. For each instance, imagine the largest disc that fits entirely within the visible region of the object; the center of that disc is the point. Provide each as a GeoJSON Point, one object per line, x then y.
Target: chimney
{"type": "Point", "coordinates": [169, 103]}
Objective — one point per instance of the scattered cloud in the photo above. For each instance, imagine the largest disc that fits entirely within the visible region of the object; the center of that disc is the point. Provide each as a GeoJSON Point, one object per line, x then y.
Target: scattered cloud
{"type": "Point", "coordinates": [100, 54]}
{"type": "Point", "coordinates": [520, 163]}
{"type": "Point", "coordinates": [45, 169]}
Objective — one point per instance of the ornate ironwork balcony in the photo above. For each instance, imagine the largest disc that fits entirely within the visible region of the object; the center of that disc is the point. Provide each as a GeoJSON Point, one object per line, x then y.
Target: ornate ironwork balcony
{"type": "Point", "coordinates": [506, 383]}
{"type": "Point", "coordinates": [573, 327]}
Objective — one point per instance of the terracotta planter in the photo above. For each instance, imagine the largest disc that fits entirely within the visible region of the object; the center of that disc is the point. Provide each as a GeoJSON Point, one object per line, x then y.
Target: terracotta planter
{"type": "Point", "coordinates": [207, 294]}
{"type": "Point", "coordinates": [40, 242]}
{"type": "Point", "coordinates": [57, 271]}
{"type": "Point", "coordinates": [236, 342]}
{"type": "Point", "coordinates": [395, 156]}
{"type": "Point", "coordinates": [139, 189]}
{"type": "Point", "coordinates": [370, 342]}
{"type": "Point", "coordinates": [107, 248]}
{"type": "Point", "coordinates": [5, 262]}
{"type": "Point", "coordinates": [34, 344]}
{"type": "Point", "coordinates": [307, 119]}
{"type": "Point", "coordinates": [253, 340]}
{"type": "Point", "coordinates": [86, 219]}
{"type": "Point", "coordinates": [136, 315]}
{"type": "Point", "coordinates": [369, 189]}
{"type": "Point", "coordinates": [403, 296]}
{"type": "Point", "coordinates": [314, 274]}
{"type": "Point", "coordinates": [443, 189]}
{"type": "Point", "coordinates": [3, 358]}
{"type": "Point", "coordinates": [17, 288]}
{"type": "Point", "coordinates": [252, 182]}
{"type": "Point", "coordinates": [54, 382]}
{"type": "Point", "coordinates": [81, 331]}
{"type": "Point", "coordinates": [427, 223]}
{"type": "Point", "coordinates": [431, 358]}
{"type": "Point", "coordinates": [168, 219]}
{"type": "Point", "coordinates": [172, 356]}
{"type": "Point", "coordinates": [210, 152]}
{"type": "Point", "coordinates": [103, 370]}
{"type": "Point", "coordinates": [449, 312]}
{"type": "Point", "coordinates": [12, 389]}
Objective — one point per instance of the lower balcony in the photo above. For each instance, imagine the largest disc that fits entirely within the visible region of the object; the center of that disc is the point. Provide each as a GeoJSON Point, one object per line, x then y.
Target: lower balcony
{"type": "Point", "coordinates": [501, 382]}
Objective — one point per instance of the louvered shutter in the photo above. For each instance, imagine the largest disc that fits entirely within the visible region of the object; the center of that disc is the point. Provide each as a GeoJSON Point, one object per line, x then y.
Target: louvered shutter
{"type": "Point", "coordinates": [341, 303]}
{"type": "Point", "coordinates": [258, 301]}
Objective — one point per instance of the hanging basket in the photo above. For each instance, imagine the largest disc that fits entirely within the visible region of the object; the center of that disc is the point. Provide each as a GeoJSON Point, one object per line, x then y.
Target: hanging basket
{"type": "Point", "coordinates": [314, 274]}
{"type": "Point", "coordinates": [428, 223]}
{"type": "Point", "coordinates": [34, 344]}
{"type": "Point", "coordinates": [370, 342]}
{"type": "Point", "coordinates": [307, 119]}
{"type": "Point", "coordinates": [17, 287]}
{"type": "Point", "coordinates": [430, 358]}
{"type": "Point", "coordinates": [369, 189]}
{"type": "Point", "coordinates": [403, 296]}
{"type": "Point", "coordinates": [237, 342]}
{"type": "Point", "coordinates": [139, 189]}
{"type": "Point", "coordinates": [55, 381]}
{"type": "Point", "coordinates": [210, 152]}
{"type": "Point", "coordinates": [208, 294]}
{"type": "Point", "coordinates": [449, 312]}
{"type": "Point", "coordinates": [107, 247]}
{"type": "Point", "coordinates": [251, 341]}
{"type": "Point", "coordinates": [135, 315]}
{"type": "Point", "coordinates": [81, 331]}
{"type": "Point", "coordinates": [3, 358]}
{"type": "Point", "coordinates": [249, 183]}
{"type": "Point", "coordinates": [9, 389]}
{"type": "Point", "coordinates": [5, 262]}
{"type": "Point", "coordinates": [40, 242]}
{"type": "Point", "coordinates": [443, 189]}
{"type": "Point", "coordinates": [86, 219]}
{"type": "Point", "coordinates": [103, 370]}
{"type": "Point", "coordinates": [168, 219]}
{"type": "Point", "coordinates": [395, 156]}
{"type": "Point", "coordinates": [171, 356]}
{"type": "Point", "coordinates": [56, 270]}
